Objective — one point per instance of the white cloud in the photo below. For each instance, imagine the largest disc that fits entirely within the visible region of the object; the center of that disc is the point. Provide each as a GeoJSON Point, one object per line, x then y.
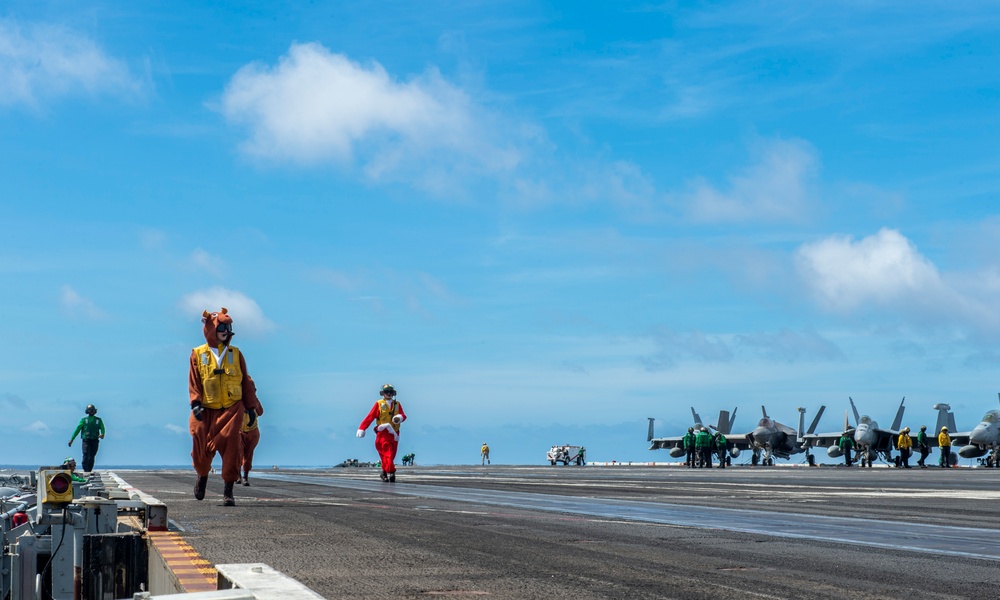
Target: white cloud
{"type": "Point", "coordinates": [38, 427]}
{"type": "Point", "coordinates": [77, 305]}
{"type": "Point", "coordinates": [175, 428]}
{"type": "Point", "coordinates": [45, 61]}
{"type": "Point", "coordinates": [247, 315]}
{"type": "Point", "coordinates": [315, 107]}
{"type": "Point", "coordinates": [778, 187]}
{"type": "Point", "coordinates": [885, 271]}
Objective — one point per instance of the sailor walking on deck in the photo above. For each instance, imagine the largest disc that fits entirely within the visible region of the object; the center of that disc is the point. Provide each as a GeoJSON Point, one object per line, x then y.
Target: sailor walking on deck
{"type": "Point", "coordinates": [91, 432]}
{"type": "Point", "coordinates": [221, 393]}
{"type": "Point", "coordinates": [387, 414]}
{"type": "Point", "coordinates": [251, 437]}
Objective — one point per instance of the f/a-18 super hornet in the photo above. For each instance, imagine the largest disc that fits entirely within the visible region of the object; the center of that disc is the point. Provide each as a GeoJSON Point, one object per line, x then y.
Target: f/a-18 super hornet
{"type": "Point", "coordinates": [870, 441]}
{"type": "Point", "coordinates": [675, 443]}
{"type": "Point", "coordinates": [770, 439]}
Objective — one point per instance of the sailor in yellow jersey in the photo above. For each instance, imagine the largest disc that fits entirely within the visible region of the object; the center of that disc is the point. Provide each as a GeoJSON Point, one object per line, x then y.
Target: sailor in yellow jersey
{"type": "Point", "coordinates": [251, 437]}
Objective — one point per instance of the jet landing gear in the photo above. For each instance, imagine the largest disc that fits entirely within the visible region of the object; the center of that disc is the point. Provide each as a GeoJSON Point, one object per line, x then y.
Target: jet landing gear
{"type": "Point", "coordinates": [762, 458]}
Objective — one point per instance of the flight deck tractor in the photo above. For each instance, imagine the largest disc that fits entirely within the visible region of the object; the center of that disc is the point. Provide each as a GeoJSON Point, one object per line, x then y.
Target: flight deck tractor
{"type": "Point", "coordinates": [567, 455]}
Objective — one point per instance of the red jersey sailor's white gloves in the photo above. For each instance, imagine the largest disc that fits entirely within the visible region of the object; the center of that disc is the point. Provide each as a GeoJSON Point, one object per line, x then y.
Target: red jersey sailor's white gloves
{"type": "Point", "coordinates": [397, 419]}
{"type": "Point", "coordinates": [360, 433]}
{"type": "Point", "coordinates": [384, 426]}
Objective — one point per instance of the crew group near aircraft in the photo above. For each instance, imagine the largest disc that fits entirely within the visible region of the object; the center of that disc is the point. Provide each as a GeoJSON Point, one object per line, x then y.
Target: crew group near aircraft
{"type": "Point", "coordinates": [864, 442]}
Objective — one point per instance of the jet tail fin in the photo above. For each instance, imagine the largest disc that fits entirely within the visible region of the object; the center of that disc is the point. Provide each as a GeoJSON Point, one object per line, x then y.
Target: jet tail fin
{"type": "Point", "coordinates": [815, 421]}
{"type": "Point", "coordinates": [847, 424]}
{"type": "Point", "coordinates": [696, 417]}
{"type": "Point", "coordinates": [732, 420]}
{"type": "Point", "coordinates": [802, 424]}
{"type": "Point", "coordinates": [857, 417]}
{"type": "Point", "coordinates": [899, 416]}
{"type": "Point", "coordinates": [945, 417]}
{"type": "Point", "coordinates": [649, 436]}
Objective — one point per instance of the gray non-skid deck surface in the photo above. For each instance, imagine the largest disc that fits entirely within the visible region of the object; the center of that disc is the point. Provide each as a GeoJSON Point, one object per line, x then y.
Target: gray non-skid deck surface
{"type": "Point", "coordinates": [938, 539]}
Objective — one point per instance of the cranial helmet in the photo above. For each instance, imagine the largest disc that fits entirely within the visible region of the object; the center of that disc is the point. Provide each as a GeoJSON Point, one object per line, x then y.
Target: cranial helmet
{"type": "Point", "coordinates": [690, 429]}
{"type": "Point", "coordinates": [923, 428]}
{"type": "Point", "coordinates": [905, 430]}
{"type": "Point", "coordinates": [388, 390]}
{"type": "Point", "coordinates": [944, 429]}
{"type": "Point", "coordinates": [91, 410]}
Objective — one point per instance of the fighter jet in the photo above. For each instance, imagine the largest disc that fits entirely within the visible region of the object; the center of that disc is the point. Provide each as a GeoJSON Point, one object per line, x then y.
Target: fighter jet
{"type": "Point", "coordinates": [725, 425]}
{"type": "Point", "coordinates": [772, 439]}
{"type": "Point", "coordinates": [984, 438]}
{"type": "Point", "coordinates": [870, 441]}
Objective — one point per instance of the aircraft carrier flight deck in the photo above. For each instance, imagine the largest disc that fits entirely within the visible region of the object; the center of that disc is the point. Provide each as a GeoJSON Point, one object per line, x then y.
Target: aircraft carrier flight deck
{"type": "Point", "coordinates": [604, 532]}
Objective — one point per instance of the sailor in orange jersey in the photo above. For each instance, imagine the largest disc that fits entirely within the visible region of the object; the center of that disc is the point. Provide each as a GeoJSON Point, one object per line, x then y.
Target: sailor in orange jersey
{"type": "Point", "coordinates": [221, 392]}
{"type": "Point", "coordinates": [387, 415]}
{"type": "Point", "coordinates": [251, 436]}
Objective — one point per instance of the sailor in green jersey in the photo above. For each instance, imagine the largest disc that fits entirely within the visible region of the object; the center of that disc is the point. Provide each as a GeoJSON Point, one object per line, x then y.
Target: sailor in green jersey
{"type": "Point", "coordinates": [923, 446]}
{"type": "Point", "coordinates": [687, 443]}
{"type": "Point", "coordinates": [91, 431]}
{"type": "Point", "coordinates": [721, 448]}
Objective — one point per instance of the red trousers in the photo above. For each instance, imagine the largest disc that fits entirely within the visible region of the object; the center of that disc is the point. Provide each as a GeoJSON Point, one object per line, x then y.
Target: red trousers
{"type": "Point", "coordinates": [250, 439]}
{"type": "Point", "coordinates": [386, 445]}
{"type": "Point", "coordinates": [218, 431]}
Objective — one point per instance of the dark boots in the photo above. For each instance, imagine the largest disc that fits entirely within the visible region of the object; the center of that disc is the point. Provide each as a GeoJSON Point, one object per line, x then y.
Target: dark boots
{"type": "Point", "coordinates": [383, 476]}
{"type": "Point", "coordinates": [246, 479]}
{"type": "Point", "coordinates": [199, 488]}
{"type": "Point", "coordinates": [227, 495]}
{"type": "Point", "coordinates": [392, 477]}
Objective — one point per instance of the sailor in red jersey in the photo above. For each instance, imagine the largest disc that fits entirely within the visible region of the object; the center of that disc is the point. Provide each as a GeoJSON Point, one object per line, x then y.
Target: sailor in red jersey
{"type": "Point", "coordinates": [387, 414]}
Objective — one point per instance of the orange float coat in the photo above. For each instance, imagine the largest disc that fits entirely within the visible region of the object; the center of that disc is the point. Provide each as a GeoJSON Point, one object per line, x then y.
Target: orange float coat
{"type": "Point", "coordinates": [251, 436]}
{"type": "Point", "coordinates": [386, 432]}
{"type": "Point", "coordinates": [219, 428]}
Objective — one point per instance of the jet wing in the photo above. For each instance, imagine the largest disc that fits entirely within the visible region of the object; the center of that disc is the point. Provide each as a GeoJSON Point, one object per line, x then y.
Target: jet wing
{"type": "Point", "coordinates": [959, 438]}
{"type": "Point", "coordinates": [885, 440]}
{"type": "Point", "coordinates": [666, 443]}
{"type": "Point", "coordinates": [821, 440]}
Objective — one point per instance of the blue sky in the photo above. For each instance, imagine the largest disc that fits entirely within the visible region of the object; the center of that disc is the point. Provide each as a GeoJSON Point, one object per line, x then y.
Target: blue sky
{"type": "Point", "coordinates": [542, 222]}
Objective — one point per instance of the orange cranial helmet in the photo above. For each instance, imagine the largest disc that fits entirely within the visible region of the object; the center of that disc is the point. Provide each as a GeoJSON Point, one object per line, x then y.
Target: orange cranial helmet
{"type": "Point", "coordinates": [212, 323]}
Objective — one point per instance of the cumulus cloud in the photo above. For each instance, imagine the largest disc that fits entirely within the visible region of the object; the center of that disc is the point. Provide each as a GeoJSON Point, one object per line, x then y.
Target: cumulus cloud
{"type": "Point", "coordinates": [247, 315]}
{"type": "Point", "coordinates": [777, 187]}
{"type": "Point", "coordinates": [886, 271]}
{"type": "Point", "coordinates": [316, 106]}
{"type": "Point", "coordinates": [37, 427]}
{"type": "Point", "coordinates": [77, 305]}
{"type": "Point", "coordinates": [39, 62]}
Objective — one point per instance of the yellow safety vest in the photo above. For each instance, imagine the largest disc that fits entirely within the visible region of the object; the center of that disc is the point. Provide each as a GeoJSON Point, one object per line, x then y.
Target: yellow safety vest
{"type": "Point", "coordinates": [222, 386]}
{"type": "Point", "coordinates": [386, 413]}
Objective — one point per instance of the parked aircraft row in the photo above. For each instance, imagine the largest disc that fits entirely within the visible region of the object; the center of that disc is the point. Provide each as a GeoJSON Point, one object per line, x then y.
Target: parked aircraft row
{"type": "Point", "coordinates": [771, 439]}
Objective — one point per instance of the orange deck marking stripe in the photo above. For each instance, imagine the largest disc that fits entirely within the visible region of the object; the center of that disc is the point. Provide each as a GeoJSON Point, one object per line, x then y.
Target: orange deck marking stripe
{"type": "Point", "coordinates": [193, 573]}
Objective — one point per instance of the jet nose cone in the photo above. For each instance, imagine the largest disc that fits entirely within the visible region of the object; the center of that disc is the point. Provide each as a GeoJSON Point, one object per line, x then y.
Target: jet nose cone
{"type": "Point", "coordinates": [984, 433]}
